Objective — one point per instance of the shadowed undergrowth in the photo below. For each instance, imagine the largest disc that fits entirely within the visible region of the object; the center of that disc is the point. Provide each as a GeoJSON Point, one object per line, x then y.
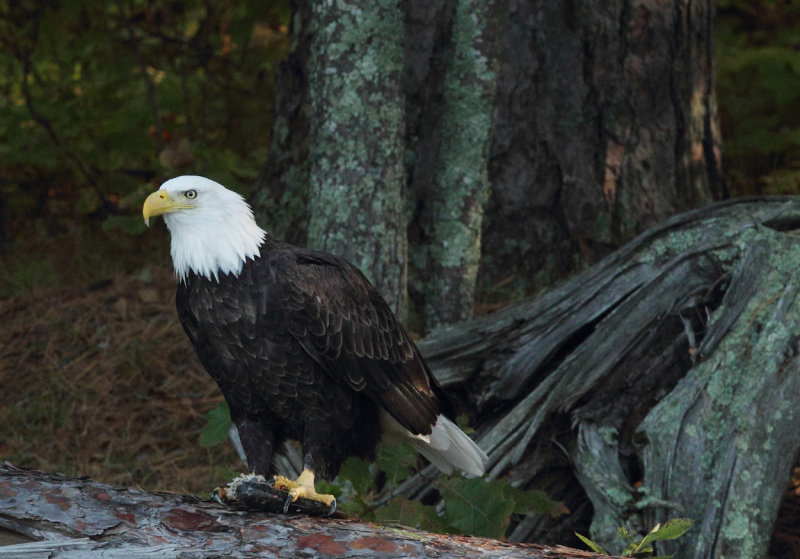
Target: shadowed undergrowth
{"type": "Point", "coordinates": [103, 383]}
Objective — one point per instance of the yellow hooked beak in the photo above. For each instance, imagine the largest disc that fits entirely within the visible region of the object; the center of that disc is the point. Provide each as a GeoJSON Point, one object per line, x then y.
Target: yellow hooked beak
{"type": "Point", "coordinates": [160, 202]}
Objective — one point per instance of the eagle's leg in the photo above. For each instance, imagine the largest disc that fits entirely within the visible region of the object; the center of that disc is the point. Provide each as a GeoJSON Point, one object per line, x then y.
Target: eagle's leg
{"type": "Point", "coordinates": [303, 486]}
{"type": "Point", "coordinates": [258, 443]}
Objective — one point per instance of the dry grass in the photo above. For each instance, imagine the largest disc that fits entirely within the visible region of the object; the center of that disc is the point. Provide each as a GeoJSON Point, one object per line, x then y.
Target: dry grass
{"type": "Point", "coordinates": [104, 383]}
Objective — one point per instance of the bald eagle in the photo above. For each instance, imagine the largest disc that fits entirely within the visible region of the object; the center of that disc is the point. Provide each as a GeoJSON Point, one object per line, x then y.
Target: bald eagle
{"type": "Point", "coordinates": [301, 345]}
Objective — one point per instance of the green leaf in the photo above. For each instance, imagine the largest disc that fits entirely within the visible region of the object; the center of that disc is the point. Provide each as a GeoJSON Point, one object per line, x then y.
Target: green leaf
{"type": "Point", "coordinates": [477, 507]}
{"type": "Point", "coordinates": [335, 489]}
{"type": "Point", "coordinates": [401, 510]}
{"type": "Point", "coordinates": [357, 472]}
{"type": "Point", "coordinates": [538, 502]}
{"type": "Point", "coordinates": [217, 426]}
{"type": "Point", "coordinates": [670, 530]}
{"type": "Point", "coordinates": [596, 547]}
{"type": "Point", "coordinates": [397, 461]}
{"type": "Point", "coordinates": [463, 423]}
{"type": "Point", "coordinates": [634, 550]}
{"type": "Point", "coordinates": [354, 481]}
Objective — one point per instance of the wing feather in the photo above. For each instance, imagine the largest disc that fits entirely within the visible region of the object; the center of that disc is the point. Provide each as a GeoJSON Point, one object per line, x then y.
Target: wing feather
{"type": "Point", "coordinates": [341, 321]}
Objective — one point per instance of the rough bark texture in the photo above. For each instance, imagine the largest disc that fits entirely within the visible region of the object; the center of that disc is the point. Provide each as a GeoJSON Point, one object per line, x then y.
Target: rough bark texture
{"type": "Point", "coordinates": [659, 383]}
{"type": "Point", "coordinates": [460, 181]}
{"type": "Point", "coordinates": [603, 124]}
{"type": "Point", "coordinates": [280, 194]}
{"type": "Point", "coordinates": [50, 515]}
{"type": "Point", "coordinates": [357, 186]}
{"type": "Point", "coordinates": [335, 176]}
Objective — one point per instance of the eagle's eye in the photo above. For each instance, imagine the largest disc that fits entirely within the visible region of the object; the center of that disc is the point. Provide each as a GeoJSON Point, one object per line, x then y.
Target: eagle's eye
{"type": "Point", "coordinates": [190, 194]}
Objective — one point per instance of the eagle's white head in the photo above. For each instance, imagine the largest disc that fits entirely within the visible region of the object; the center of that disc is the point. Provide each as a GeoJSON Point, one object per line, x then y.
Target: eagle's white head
{"type": "Point", "coordinates": [213, 230]}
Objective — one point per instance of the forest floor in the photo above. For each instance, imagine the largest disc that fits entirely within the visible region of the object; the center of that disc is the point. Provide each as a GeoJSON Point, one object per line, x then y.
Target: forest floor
{"type": "Point", "coordinates": [102, 382]}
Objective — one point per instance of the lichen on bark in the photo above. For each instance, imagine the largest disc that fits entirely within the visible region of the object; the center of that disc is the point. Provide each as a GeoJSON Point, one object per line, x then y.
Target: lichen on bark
{"type": "Point", "coordinates": [461, 183]}
{"type": "Point", "coordinates": [356, 144]}
{"type": "Point", "coordinates": [718, 436]}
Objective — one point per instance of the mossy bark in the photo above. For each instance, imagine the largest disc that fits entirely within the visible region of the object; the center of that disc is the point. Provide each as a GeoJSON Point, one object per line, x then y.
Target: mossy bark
{"type": "Point", "coordinates": [356, 146]}
{"type": "Point", "coordinates": [534, 138]}
{"type": "Point", "coordinates": [731, 427]}
{"type": "Point", "coordinates": [335, 178]}
{"type": "Point", "coordinates": [460, 182]}
{"type": "Point", "coordinates": [661, 382]}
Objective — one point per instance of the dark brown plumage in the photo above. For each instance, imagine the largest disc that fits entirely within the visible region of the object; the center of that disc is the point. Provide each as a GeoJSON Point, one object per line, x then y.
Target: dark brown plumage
{"type": "Point", "coordinates": [303, 347]}
{"type": "Point", "coordinates": [300, 343]}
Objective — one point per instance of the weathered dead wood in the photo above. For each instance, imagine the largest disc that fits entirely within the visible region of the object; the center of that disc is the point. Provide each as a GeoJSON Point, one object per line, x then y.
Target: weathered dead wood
{"type": "Point", "coordinates": [661, 382]}
{"type": "Point", "coordinates": [68, 518]}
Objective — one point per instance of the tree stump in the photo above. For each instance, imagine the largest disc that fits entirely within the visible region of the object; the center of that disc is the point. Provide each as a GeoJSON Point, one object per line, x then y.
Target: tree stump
{"type": "Point", "coordinates": [661, 382]}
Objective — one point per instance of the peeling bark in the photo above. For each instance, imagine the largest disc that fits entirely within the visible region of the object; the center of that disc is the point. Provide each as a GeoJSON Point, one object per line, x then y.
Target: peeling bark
{"type": "Point", "coordinates": [51, 515]}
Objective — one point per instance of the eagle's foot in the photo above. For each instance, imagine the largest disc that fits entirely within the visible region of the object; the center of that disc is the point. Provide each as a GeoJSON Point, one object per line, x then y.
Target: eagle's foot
{"type": "Point", "coordinates": [303, 487]}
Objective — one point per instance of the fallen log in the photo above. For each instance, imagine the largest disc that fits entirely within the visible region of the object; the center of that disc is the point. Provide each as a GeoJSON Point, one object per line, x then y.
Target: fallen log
{"type": "Point", "coordinates": [55, 516]}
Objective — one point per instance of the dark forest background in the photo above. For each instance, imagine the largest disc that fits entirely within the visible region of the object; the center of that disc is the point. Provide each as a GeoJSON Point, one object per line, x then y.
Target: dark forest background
{"type": "Point", "coordinates": [99, 106]}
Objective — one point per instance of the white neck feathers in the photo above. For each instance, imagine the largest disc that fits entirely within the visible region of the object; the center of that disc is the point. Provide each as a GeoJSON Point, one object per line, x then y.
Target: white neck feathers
{"type": "Point", "coordinates": [215, 240]}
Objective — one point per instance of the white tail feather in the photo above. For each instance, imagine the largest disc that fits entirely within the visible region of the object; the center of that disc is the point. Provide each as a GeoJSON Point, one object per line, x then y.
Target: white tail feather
{"type": "Point", "coordinates": [447, 446]}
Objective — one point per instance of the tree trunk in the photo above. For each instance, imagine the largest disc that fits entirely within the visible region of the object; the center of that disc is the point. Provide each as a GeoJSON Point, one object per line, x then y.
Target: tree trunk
{"type": "Point", "coordinates": [336, 162]}
{"type": "Point", "coordinates": [357, 186]}
{"type": "Point", "coordinates": [577, 125]}
{"type": "Point", "coordinates": [457, 191]}
{"type": "Point", "coordinates": [51, 515]}
{"type": "Point", "coordinates": [606, 124]}
{"type": "Point", "coordinates": [280, 194]}
{"type": "Point", "coordinates": [662, 382]}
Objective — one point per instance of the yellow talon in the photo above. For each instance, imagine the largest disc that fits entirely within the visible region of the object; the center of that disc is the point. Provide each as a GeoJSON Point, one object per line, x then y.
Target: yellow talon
{"type": "Point", "coordinates": [303, 487]}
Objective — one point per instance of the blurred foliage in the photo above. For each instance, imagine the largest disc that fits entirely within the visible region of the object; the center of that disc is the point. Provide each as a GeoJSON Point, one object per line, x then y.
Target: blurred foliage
{"type": "Point", "coordinates": [100, 102]}
{"type": "Point", "coordinates": [758, 87]}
